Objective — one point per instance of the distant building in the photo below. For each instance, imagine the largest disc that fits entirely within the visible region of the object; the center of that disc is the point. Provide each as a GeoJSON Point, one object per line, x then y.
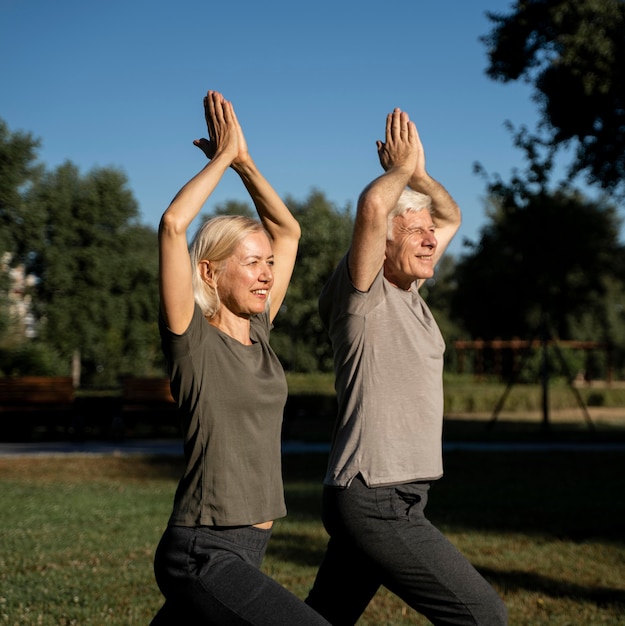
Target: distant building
{"type": "Point", "coordinates": [18, 296]}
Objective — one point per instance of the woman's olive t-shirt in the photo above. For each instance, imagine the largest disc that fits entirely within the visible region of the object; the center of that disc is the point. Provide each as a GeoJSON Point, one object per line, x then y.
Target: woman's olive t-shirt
{"type": "Point", "coordinates": [231, 400]}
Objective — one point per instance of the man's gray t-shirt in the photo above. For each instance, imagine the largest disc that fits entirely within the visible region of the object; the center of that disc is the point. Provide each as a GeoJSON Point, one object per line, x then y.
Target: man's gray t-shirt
{"type": "Point", "coordinates": [388, 360]}
{"type": "Point", "coordinates": [231, 400]}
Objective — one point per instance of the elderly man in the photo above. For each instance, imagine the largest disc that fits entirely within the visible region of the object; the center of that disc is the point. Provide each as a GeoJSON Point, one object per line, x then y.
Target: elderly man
{"type": "Point", "coordinates": [388, 360]}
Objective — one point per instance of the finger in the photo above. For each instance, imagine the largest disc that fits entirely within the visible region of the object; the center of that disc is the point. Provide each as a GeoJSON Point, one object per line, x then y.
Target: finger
{"type": "Point", "coordinates": [206, 146]}
{"type": "Point", "coordinates": [209, 114]}
{"type": "Point", "coordinates": [212, 114]}
{"type": "Point", "coordinates": [404, 125]}
{"type": "Point", "coordinates": [389, 126]}
{"type": "Point", "coordinates": [217, 107]}
{"type": "Point", "coordinates": [198, 144]}
{"type": "Point", "coordinates": [232, 114]}
{"type": "Point", "coordinates": [417, 136]}
{"type": "Point", "coordinates": [395, 121]}
{"type": "Point", "coordinates": [228, 111]}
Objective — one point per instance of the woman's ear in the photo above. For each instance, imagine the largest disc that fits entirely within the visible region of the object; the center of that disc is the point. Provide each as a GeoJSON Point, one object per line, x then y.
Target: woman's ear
{"type": "Point", "coordinates": [207, 272]}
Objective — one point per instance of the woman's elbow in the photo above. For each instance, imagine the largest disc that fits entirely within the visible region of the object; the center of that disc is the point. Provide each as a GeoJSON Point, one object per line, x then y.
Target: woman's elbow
{"type": "Point", "coordinates": [171, 226]}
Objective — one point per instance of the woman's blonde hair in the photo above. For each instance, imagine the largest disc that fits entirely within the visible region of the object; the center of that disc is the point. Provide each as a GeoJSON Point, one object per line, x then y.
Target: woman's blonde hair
{"type": "Point", "coordinates": [409, 200]}
{"type": "Point", "coordinates": [215, 241]}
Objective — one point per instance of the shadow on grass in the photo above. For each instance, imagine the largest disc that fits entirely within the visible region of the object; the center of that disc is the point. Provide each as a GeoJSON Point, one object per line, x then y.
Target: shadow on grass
{"type": "Point", "coordinates": [574, 496]}
{"type": "Point", "coordinates": [569, 495]}
{"type": "Point", "coordinates": [287, 546]}
{"type": "Point", "coordinates": [544, 585]}
{"type": "Point", "coordinates": [536, 430]}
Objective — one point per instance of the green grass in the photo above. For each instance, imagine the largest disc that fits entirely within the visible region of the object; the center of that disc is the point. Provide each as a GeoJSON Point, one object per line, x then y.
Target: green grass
{"type": "Point", "coordinates": [466, 393]}
{"type": "Point", "coordinates": [78, 535]}
{"type": "Point", "coordinates": [470, 406]}
{"type": "Point", "coordinates": [316, 383]}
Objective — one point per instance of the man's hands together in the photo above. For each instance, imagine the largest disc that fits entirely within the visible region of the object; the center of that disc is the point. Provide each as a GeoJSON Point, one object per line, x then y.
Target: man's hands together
{"type": "Point", "coordinates": [402, 148]}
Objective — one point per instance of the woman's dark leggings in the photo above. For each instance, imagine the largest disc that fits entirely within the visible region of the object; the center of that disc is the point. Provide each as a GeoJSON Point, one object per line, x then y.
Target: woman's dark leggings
{"type": "Point", "coordinates": [212, 576]}
{"type": "Point", "coordinates": [380, 536]}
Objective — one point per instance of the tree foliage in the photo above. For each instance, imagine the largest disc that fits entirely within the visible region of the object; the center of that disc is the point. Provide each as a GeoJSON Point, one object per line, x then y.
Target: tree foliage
{"type": "Point", "coordinates": [438, 292]}
{"type": "Point", "coordinates": [95, 264]}
{"type": "Point", "coordinates": [299, 338]}
{"type": "Point", "coordinates": [97, 270]}
{"type": "Point", "coordinates": [573, 53]}
{"type": "Point", "coordinates": [234, 207]}
{"type": "Point", "coordinates": [97, 276]}
{"type": "Point", "coordinates": [543, 255]}
{"type": "Point", "coordinates": [326, 234]}
{"type": "Point", "coordinates": [17, 170]}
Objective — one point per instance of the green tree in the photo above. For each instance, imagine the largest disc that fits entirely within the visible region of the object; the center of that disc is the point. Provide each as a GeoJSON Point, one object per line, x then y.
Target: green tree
{"type": "Point", "coordinates": [573, 53]}
{"type": "Point", "coordinates": [97, 268]}
{"type": "Point", "coordinates": [604, 320]}
{"type": "Point", "coordinates": [18, 169]}
{"type": "Point", "coordinates": [234, 207]}
{"type": "Point", "coordinates": [300, 339]}
{"type": "Point", "coordinates": [438, 293]}
{"type": "Point", "coordinates": [543, 255]}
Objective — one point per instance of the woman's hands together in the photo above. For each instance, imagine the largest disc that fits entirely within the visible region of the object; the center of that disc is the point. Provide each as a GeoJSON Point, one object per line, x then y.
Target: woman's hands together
{"type": "Point", "coordinates": [224, 131]}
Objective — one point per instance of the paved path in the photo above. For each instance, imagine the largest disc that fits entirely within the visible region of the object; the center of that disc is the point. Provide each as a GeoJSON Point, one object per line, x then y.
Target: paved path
{"type": "Point", "coordinates": [166, 447]}
{"type": "Point", "coordinates": [169, 447]}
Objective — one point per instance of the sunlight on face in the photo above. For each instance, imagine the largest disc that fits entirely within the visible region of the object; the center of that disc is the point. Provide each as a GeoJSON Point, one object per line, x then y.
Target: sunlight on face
{"type": "Point", "coordinates": [410, 254]}
{"type": "Point", "coordinates": [246, 281]}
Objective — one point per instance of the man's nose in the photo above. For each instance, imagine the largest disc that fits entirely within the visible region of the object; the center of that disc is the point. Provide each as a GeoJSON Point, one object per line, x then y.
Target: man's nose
{"type": "Point", "coordinates": [430, 240]}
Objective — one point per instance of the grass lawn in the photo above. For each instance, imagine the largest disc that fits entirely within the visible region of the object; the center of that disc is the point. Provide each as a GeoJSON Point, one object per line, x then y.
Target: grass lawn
{"type": "Point", "coordinates": [78, 535]}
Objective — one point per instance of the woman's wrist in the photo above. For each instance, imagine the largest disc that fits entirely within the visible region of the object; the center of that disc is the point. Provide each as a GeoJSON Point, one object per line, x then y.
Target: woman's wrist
{"type": "Point", "coordinates": [242, 166]}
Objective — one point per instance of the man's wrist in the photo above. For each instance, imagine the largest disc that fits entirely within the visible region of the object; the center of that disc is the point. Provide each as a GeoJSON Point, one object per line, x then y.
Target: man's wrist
{"type": "Point", "coordinates": [421, 182]}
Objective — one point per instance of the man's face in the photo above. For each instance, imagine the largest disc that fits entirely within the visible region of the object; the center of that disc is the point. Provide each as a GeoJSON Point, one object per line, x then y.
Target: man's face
{"type": "Point", "coordinates": [410, 254]}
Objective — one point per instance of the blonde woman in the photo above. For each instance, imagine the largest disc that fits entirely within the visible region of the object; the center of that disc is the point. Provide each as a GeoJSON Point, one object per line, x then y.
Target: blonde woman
{"type": "Point", "coordinates": [218, 302]}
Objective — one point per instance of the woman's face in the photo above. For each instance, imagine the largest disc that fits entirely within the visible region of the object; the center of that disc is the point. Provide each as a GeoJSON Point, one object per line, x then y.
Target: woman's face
{"type": "Point", "coordinates": [247, 278]}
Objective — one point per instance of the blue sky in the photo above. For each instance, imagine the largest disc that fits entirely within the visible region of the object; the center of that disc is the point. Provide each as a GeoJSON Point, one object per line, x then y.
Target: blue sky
{"type": "Point", "coordinates": [120, 83]}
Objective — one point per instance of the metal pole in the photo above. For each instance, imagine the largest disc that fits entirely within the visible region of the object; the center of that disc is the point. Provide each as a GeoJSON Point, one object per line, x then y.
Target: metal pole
{"type": "Point", "coordinates": [545, 378]}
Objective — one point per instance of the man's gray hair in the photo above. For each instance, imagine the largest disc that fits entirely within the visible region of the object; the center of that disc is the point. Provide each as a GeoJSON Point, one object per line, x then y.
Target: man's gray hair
{"type": "Point", "coordinates": [410, 200]}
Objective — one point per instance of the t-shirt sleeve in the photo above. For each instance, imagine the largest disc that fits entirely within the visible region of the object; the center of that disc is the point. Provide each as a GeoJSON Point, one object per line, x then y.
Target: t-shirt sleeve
{"type": "Point", "coordinates": [339, 297]}
{"type": "Point", "coordinates": [261, 325]}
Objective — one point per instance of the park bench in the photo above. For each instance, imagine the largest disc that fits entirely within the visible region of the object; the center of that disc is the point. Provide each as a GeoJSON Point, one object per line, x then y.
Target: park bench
{"type": "Point", "coordinates": [29, 402]}
{"type": "Point", "coordinates": [147, 401]}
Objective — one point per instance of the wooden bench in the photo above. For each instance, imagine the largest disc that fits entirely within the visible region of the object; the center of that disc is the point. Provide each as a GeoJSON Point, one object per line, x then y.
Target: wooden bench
{"type": "Point", "coordinates": [147, 401]}
{"type": "Point", "coordinates": [27, 402]}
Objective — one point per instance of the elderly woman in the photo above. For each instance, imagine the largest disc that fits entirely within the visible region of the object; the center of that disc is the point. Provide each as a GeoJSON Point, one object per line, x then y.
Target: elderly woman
{"type": "Point", "coordinates": [218, 303]}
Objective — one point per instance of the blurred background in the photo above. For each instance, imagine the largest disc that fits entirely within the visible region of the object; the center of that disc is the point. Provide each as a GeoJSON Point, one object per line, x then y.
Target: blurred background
{"type": "Point", "coordinates": [520, 106]}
